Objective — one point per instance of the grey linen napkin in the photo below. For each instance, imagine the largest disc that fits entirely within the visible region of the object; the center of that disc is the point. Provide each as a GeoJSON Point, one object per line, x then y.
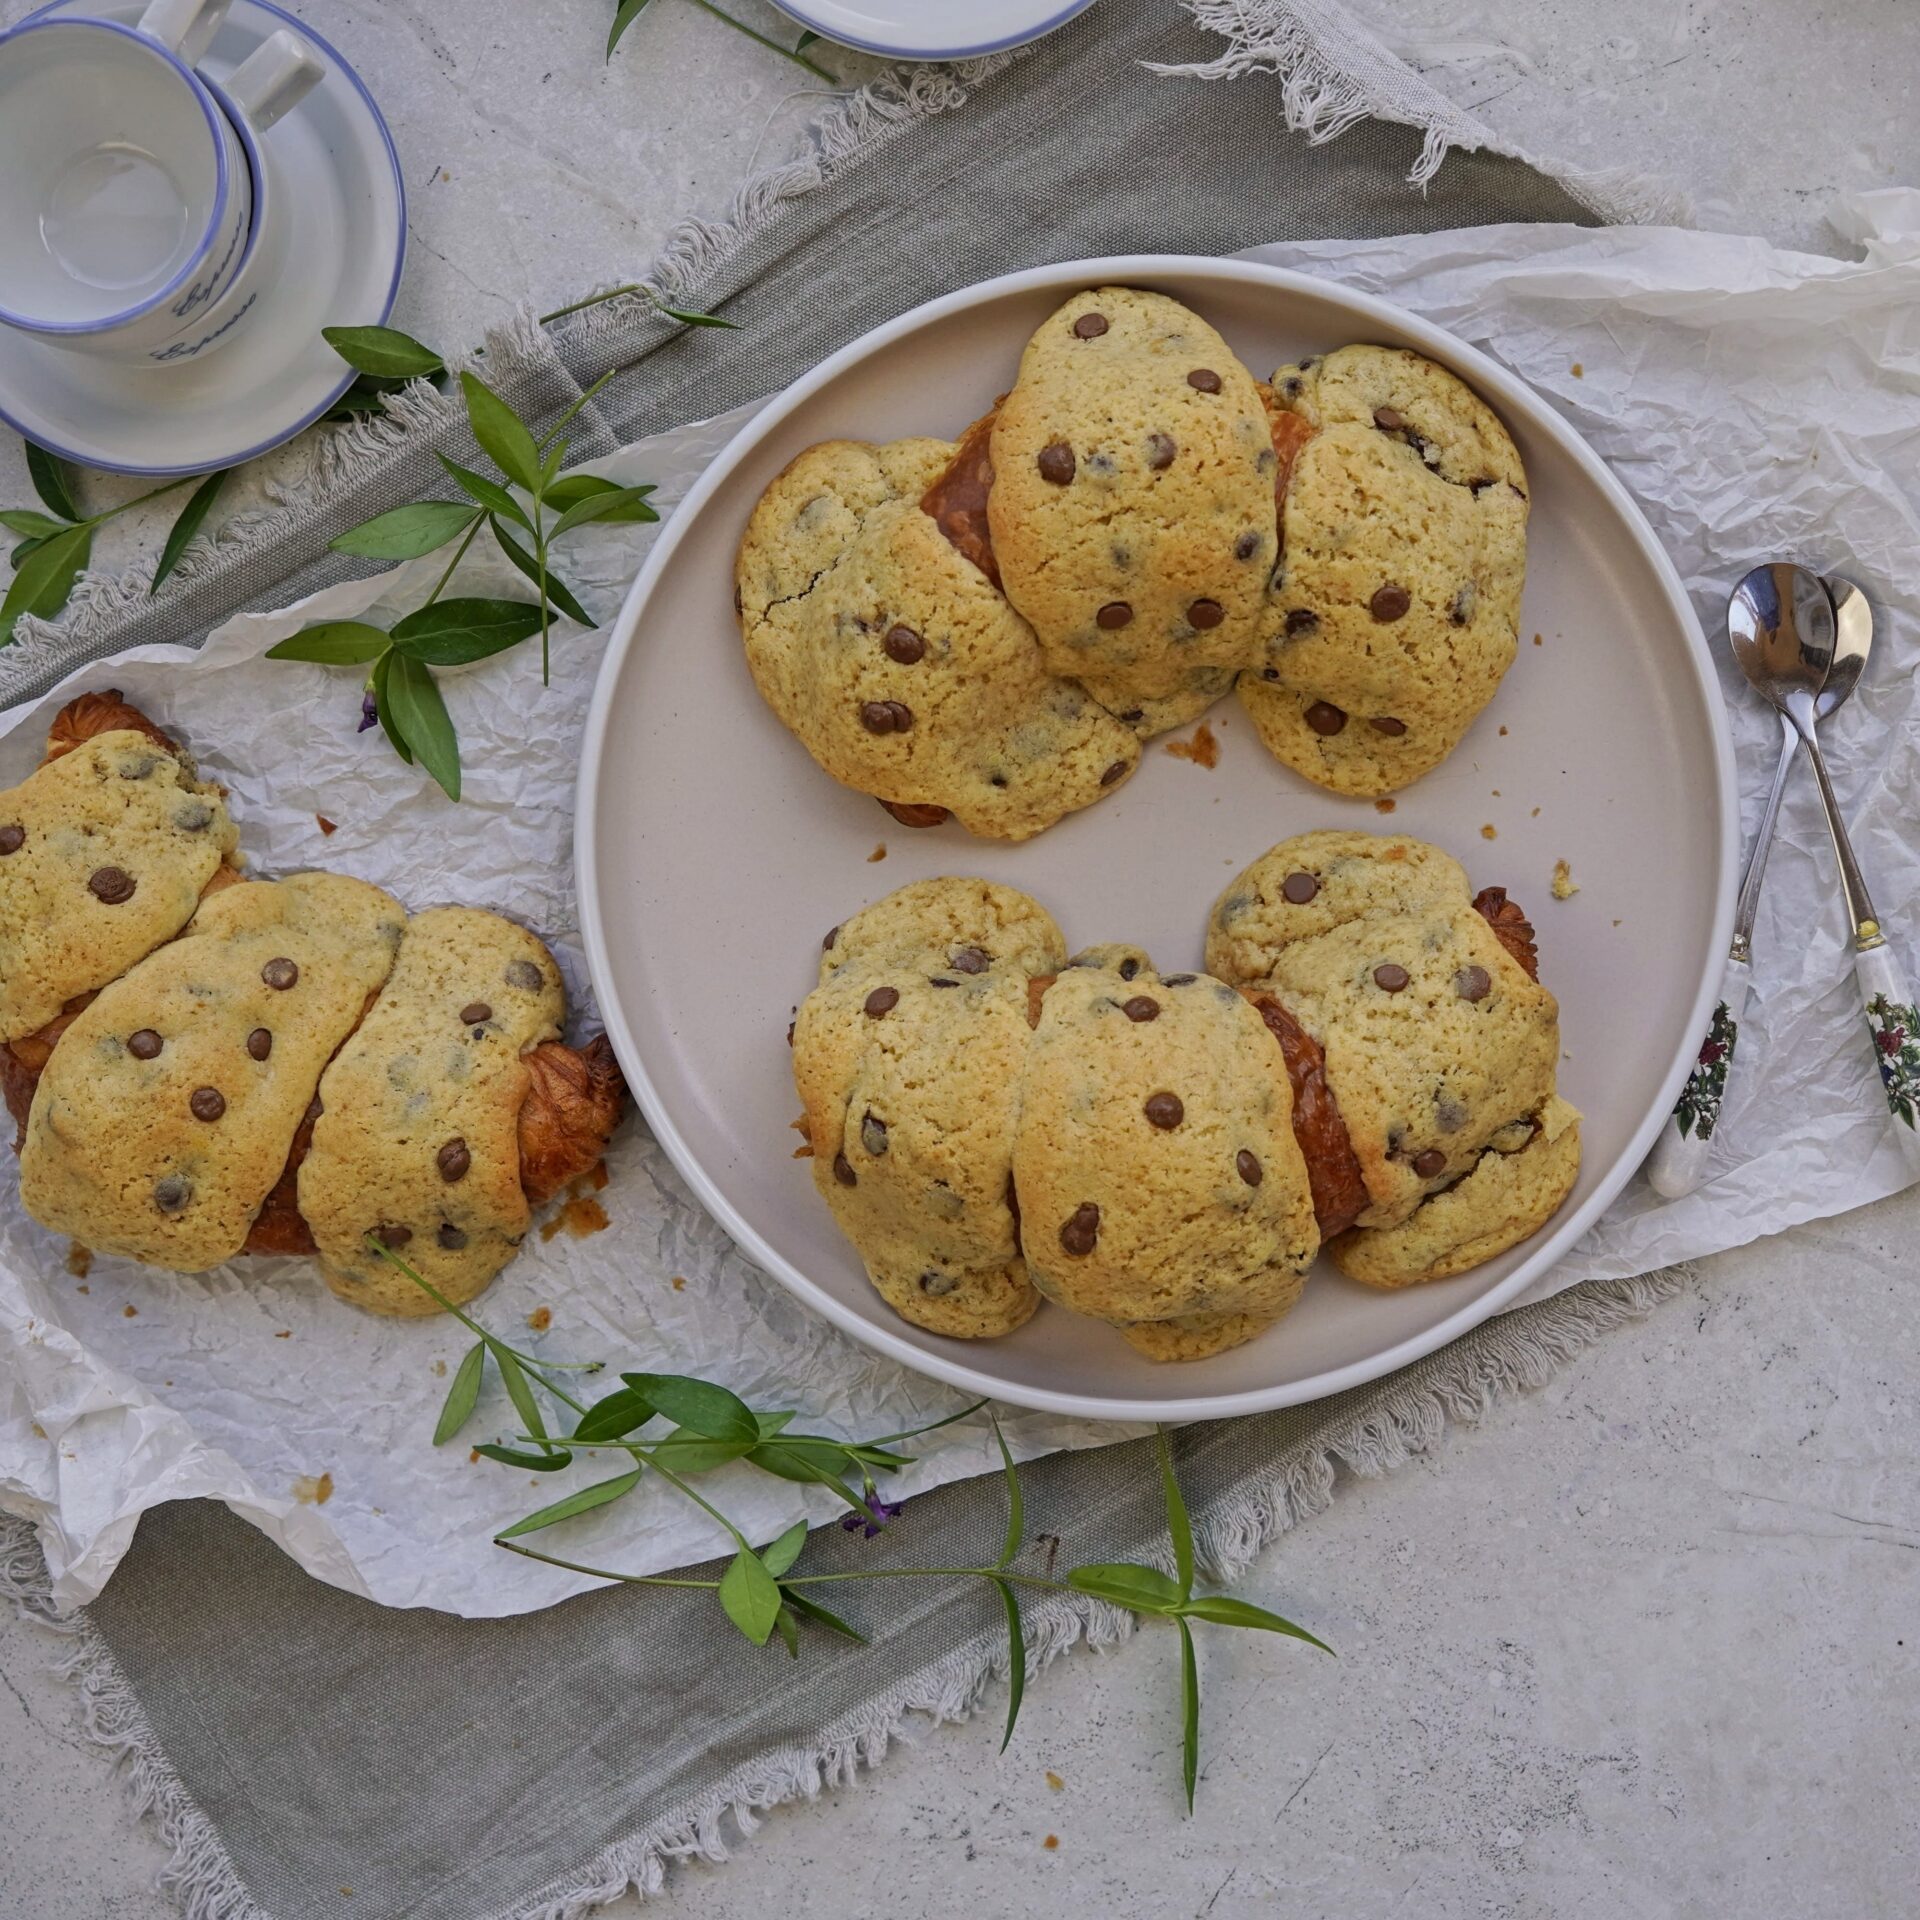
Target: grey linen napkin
{"type": "Point", "coordinates": [296, 1740]}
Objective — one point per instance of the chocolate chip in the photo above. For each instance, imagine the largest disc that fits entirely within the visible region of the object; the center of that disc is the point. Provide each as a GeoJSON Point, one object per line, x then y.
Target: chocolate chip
{"type": "Point", "coordinates": [1429, 1162]}
{"type": "Point", "coordinates": [1389, 419]}
{"type": "Point", "coordinates": [145, 1045]}
{"type": "Point", "coordinates": [1056, 463]}
{"type": "Point", "coordinates": [1390, 977]}
{"type": "Point", "coordinates": [1325, 718]}
{"type": "Point", "coordinates": [111, 886]}
{"type": "Point", "coordinates": [969, 960]}
{"type": "Point", "coordinates": [1090, 326]}
{"type": "Point", "coordinates": [1132, 717]}
{"type": "Point", "coordinates": [1293, 386]}
{"type": "Point", "coordinates": [1463, 603]}
{"type": "Point", "coordinates": [791, 1025]}
{"type": "Point", "coordinates": [882, 1000]}
{"type": "Point", "coordinates": [1269, 673]}
{"type": "Point", "coordinates": [280, 974]}
{"type": "Point", "coordinates": [208, 1103]}
{"type": "Point", "coordinates": [453, 1160]}
{"type": "Point", "coordinates": [314, 1109]}
{"type": "Point", "coordinates": [941, 980]}
{"type": "Point", "coordinates": [476, 1013]}
{"type": "Point", "coordinates": [1204, 380]}
{"type": "Point", "coordinates": [1165, 1111]}
{"type": "Point", "coordinates": [1141, 1008]}
{"type": "Point", "coordinates": [843, 1171]}
{"type": "Point", "coordinates": [1179, 980]}
{"type": "Point", "coordinates": [904, 645]}
{"type": "Point", "coordinates": [195, 817]}
{"type": "Point", "coordinates": [1248, 1168]}
{"type": "Point", "coordinates": [1473, 983]}
{"type": "Point", "coordinates": [12, 838]}
{"type": "Point", "coordinates": [1205, 614]}
{"type": "Point", "coordinates": [1128, 968]}
{"type": "Point", "coordinates": [739, 607]}
{"type": "Point", "coordinates": [259, 1043]}
{"type": "Point", "coordinates": [1247, 545]}
{"type": "Point", "coordinates": [1389, 603]}
{"type": "Point", "coordinates": [1479, 486]}
{"type": "Point", "coordinates": [1082, 1229]}
{"type": "Point", "coordinates": [1160, 451]}
{"type": "Point", "coordinates": [873, 1135]}
{"type": "Point", "coordinates": [885, 716]}
{"type": "Point", "coordinates": [1114, 615]}
{"type": "Point", "coordinates": [1388, 725]}
{"type": "Point", "coordinates": [171, 1192]}
{"type": "Point", "coordinates": [391, 1236]}
{"type": "Point", "coordinates": [451, 1237]}
{"type": "Point", "coordinates": [933, 1283]}
{"type": "Point", "coordinates": [1301, 620]}
{"type": "Point", "coordinates": [140, 768]}
{"type": "Point", "coordinates": [828, 938]}
{"type": "Point", "coordinates": [1298, 888]}
{"type": "Point", "coordinates": [1450, 1113]}
{"type": "Point", "coordinates": [525, 975]}
{"type": "Point", "coordinates": [1113, 773]}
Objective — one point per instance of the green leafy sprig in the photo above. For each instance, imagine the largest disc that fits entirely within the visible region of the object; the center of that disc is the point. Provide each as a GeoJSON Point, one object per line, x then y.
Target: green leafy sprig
{"type": "Point", "coordinates": [626, 12]}
{"type": "Point", "coordinates": [765, 1591]}
{"type": "Point", "coordinates": [56, 545]}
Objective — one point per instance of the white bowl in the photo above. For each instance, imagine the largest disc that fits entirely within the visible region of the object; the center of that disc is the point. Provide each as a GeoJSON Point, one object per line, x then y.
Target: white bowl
{"type": "Point", "coordinates": [912, 30]}
{"type": "Point", "coordinates": [712, 853]}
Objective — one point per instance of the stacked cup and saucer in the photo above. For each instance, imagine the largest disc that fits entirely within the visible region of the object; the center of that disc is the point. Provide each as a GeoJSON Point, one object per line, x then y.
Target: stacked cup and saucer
{"type": "Point", "coordinates": [189, 191]}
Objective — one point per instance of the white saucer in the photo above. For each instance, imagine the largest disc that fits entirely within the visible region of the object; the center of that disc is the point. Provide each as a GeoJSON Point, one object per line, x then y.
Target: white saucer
{"type": "Point", "coordinates": [911, 30]}
{"type": "Point", "coordinates": [339, 192]}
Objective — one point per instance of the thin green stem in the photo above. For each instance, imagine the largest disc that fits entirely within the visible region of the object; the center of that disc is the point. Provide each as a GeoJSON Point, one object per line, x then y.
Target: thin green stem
{"type": "Point", "coordinates": [553, 432]}
{"type": "Point", "coordinates": [140, 500]}
{"type": "Point", "coordinates": [706, 1506]}
{"type": "Point", "coordinates": [785, 53]}
{"type": "Point", "coordinates": [933, 1426]}
{"type": "Point", "coordinates": [602, 1573]}
{"type": "Point", "coordinates": [540, 561]}
{"type": "Point", "coordinates": [440, 587]}
{"type": "Point", "coordinates": [592, 300]}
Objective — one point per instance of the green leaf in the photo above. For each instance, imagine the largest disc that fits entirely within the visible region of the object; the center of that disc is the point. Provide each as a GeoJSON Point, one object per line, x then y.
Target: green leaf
{"type": "Point", "coordinates": [626, 506]}
{"type": "Point", "coordinates": [381, 675]}
{"type": "Point", "coordinates": [192, 515]}
{"type": "Point", "coordinates": [630, 11]}
{"type": "Point", "coordinates": [25, 520]}
{"type": "Point", "coordinates": [49, 479]}
{"type": "Point", "coordinates": [1016, 1659]}
{"type": "Point", "coordinates": [45, 578]}
{"type": "Point", "coordinates": [751, 1596]}
{"type": "Point", "coordinates": [26, 547]}
{"type": "Point", "coordinates": [786, 1550]}
{"type": "Point", "coordinates": [550, 465]}
{"type": "Point", "coordinates": [520, 1392]}
{"type": "Point", "coordinates": [1016, 1516]}
{"type": "Point", "coordinates": [788, 1629]}
{"type": "Point", "coordinates": [557, 589]}
{"type": "Point", "coordinates": [691, 317]}
{"type": "Point", "coordinates": [804, 42]}
{"type": "Point", "coordinates": [1141, 1589]}
{"type": "Point", "coordinates": [1178, 1523]}
{"type": "Point", "coordinates": [1189, 1711]}
{"type": "Point", "coordinates": [366, 395]}
{"type": "Point", "coordinates": [421, 717]}
{"type": "Point", "coordinates": [533, 1462]}
{"type": "Point", "coordinates": [490, 493]}
{"type": "Point", "coordinates": [1226, 1612]}
{"type": "Point", "coordinates": [384, 352]}
{"type": "Point", "coordinates": [683, 1451]}
{"type": "Point", "coordinates": [502, 434]}
{"type": "Point", "coordinates": [614, 1416]}
{"type": "Point", "coordinates": [698, 1404]}
{"type": "Point", "coordinates": [576, 487]}
{"type": "Point", "coordinates": [450, 633]}
{"type": "Point", "coordinates": [406, 533]}
{"type": "Point", "coordinates": [581, 1500]}
{"type": "Point", "coordinates": [771, 1423]}
{"type": "Point", "coordinates": [462, 1395]}
{"type": "Point", "coordinates": [802, 1459]}
{"type": "Point", "coordinates": [868, 1456]}
{"type": "Point", "coordinates": [813, 1610]}
{"type": "Point", "coordinates": [334, 643]}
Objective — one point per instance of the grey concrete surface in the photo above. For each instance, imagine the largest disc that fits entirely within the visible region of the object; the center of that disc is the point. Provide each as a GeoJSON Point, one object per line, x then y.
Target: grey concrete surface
{"type": "Point", "coordinates": [1644, 1642]}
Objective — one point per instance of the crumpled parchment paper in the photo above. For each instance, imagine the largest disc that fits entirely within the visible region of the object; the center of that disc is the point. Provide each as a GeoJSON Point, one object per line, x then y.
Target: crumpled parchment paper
{"type": "Point", "coordinates": [1757, 403]}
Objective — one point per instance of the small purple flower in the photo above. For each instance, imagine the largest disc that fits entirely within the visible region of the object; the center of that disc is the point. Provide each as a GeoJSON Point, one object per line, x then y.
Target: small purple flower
{"type": "Point", "coordinates": [369, 713]}
{"type": "Point", "coordinates": [878, 1513]}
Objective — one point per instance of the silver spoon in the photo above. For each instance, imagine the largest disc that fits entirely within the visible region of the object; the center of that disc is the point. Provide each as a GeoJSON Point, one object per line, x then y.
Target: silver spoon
{"type": "Point", "coordinates": [1678, 1162]}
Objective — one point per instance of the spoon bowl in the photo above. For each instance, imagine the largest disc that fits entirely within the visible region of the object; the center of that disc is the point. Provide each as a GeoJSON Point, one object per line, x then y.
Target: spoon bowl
{"type": "Point", "coordinates": [1783, 630]}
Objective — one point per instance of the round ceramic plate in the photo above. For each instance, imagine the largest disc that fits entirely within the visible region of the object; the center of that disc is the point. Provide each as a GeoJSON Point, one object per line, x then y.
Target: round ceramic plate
{"type": "Point", "coordinates": [713, 853]}
{"type": "Point", "coordinates": [911, 30]}
{"type": "Point", "coordinates": [337, 186]}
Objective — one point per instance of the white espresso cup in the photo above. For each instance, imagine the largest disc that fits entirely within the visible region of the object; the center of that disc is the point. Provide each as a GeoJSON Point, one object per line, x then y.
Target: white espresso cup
{"type": "Point", "coordinates": [133, 194]}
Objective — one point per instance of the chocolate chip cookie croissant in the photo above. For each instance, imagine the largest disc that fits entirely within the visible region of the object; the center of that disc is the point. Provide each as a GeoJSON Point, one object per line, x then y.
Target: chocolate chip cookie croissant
{"type": "Point", "coordinates": [296, 1066]}
{"type": "Point", "coordinates": [1368, 1066]}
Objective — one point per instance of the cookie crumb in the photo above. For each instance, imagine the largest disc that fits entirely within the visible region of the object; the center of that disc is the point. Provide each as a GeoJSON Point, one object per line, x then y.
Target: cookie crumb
{"type": "Point", "coordinates": [1384, 806]}
{"type": "Point", "coordinates": [130, 1313]}
{"type": "Point", "coordinates": [328, 827]}
{"type": "Point", "coordinates": [879, 852]}
{"type": "Point", "coordinates": [1563, 887]}
{"type": "Point", "coordinates": [1536, 813]}
{"type": "Point", "coordinates": [286, 1333]}
{"type": "Point", "coordinates": [1054, 1780]}
{"type": "Point", "coordinates": [1051, 1842]}
{"type": "Point", "coordinates": [540, 1319]}
{"type": "Point", "coordinates": [679, 1284]}
{"type": "Point", "coordinates": [1503, 733]}
{"type": "Point", "coordinates": [1203, 749]}
{"type": "Point", "coordinates": [1537, 641]}
{"type": "Point", "coordinates": [83, 1289]}
{"type": "Point", "coordinates": [79, 1260]}
{"type": "Point", "coordinates": [439, 1367]}
{"type": "Point", "coordinates": [1578, 371]}
{"type": "Point", "coordinates": [313, 1491]}
{"type": "Point", "coordinates": [1489, 832]}
{"type": "Point", "coordinates": [1616, 923]}
{"type": "Point", "coordinates": [473, 1459]}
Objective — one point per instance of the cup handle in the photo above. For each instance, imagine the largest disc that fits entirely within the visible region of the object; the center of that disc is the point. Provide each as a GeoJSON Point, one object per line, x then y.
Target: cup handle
{"type": "Point", "coordinates": [184, 27]}
{"type": "Point", "coordinates": [274, 78]}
